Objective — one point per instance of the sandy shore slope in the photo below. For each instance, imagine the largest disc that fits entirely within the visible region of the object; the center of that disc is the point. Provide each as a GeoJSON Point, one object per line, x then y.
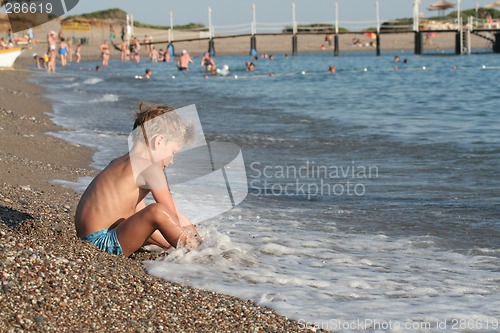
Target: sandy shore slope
{"type": "Point", "coordinates": [52, 281]}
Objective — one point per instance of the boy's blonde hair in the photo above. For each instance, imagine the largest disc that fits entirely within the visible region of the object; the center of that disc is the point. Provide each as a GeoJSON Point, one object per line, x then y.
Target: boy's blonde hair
{"type": "Point", "coordinates": [166, 122]}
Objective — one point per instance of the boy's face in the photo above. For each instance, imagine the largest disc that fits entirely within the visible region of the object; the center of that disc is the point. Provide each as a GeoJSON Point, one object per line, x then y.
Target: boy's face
{"type": "Point", "coordinates": [166, 150]}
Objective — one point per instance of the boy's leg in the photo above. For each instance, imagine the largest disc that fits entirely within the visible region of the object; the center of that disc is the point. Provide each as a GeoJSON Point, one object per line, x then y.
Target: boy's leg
{"type": "Point", "coordinates": [134, 231]}
{"type": "Point", "coordinates": [156, 238]}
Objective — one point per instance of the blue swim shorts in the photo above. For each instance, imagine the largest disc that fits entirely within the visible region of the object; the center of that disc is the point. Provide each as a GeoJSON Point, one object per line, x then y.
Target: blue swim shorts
{"type": "Point", "coordinates": [105, 240]}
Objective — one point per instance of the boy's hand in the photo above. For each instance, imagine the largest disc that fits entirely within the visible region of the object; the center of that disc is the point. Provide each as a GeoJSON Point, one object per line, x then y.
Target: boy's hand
{"type": "Point", "coordinates": [189, 239]}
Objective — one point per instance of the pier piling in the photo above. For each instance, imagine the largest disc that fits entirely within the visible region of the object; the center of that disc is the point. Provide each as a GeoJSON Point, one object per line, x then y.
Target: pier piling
{"type": "Point", "coordinates": [418, 43]}
{"type": "Point", "coordinates": [253, 45]}
{"type": "Point", "coordinates": [294, 45]}
{"type": "Point", "coordinates": [336, 51]}
{"type": "Point", "coordinates": [496, 45]}
{"type": "Point", "coordinates": [378, 44]}
{"type": "Point", "coordinates": [211, 47]}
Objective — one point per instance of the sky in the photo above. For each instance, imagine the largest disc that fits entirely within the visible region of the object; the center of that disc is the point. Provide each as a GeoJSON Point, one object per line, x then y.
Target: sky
{"type": "Point", "coordinates": [225, 13]}
{"type": "Point", "coordinates": [353, 14]}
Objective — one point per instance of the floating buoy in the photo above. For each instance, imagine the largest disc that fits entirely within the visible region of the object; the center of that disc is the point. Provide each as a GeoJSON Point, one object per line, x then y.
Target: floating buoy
{"type": "Point", "coordinates": [303, 73]}
{"type": "Point", "coordinates": [236, 77]}
{"type": "Point", "coordinates": [365, 69]}
{"type": "Point", "coordinates": [423, 68]}
{"type": "Point", "coordinates": [173, 76]}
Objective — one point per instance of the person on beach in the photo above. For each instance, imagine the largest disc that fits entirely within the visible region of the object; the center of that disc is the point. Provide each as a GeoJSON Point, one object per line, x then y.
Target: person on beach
{"type": "Point", "coordinates": [166, 57]}
{"type": "Point", "coordinates": [154, 55]}
{"type": "Point", "coordinates": [78, 53]}
{"type": "Point", "coordinates": [51, 66]}
{"type": "Point", "coordinates": [112, 213]}
{"type": "Point", "coordinates": [10, 35]}
{"type": "Point", "coordinates": [123, 51]}
{"type": "Point", "coordinates": [63, 51]}
{"type": "Point", "coordinates": [31, 36]}
{"type": "Point", "coordinates": [51, 41]}
{"type": "Point", "coordinates": [105, 53]}
{"type": "Point", "coordinates": [38, 60]}
{"type": "Point", "coordinates": [70, 49]}
{"type": "Point", "coordinates": [3, 44]}
{"type": "Point", "coordinates": [45, 60]}
{"type": "Point", "coordinates": [136, 49]}
{"type": "Point", "coordinates": [111, 36]}
{"type": "Point", "coordinates": [184, 61]}
{"type": "Point", "coordinates": [207, 62]}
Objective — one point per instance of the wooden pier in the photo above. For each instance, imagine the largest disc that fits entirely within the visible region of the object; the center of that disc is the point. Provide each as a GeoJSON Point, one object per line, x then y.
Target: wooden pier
{"type": "Point", "coordinates": [462, 39]}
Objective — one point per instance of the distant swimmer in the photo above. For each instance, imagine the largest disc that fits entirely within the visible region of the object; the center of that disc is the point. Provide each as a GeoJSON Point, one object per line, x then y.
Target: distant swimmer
{"type": "Point", "coordinates": [250, 66]}
{"type": "Point", "coordinates": [146, 76]}
{"type": "Point", "coordinates": [207, 62]}
{"type": "Point", "coordinates": [332, 69]}
{"type": "Point", "coordinates": [184, 61]}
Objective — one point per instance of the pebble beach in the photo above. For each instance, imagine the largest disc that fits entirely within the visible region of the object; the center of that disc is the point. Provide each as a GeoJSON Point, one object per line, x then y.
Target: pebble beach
{"type": "Point", "coordinates": [51, 280]}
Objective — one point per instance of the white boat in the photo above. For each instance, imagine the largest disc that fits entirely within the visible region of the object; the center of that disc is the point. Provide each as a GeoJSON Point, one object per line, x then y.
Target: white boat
{"type": "Point", "coordinates": [9, 56]}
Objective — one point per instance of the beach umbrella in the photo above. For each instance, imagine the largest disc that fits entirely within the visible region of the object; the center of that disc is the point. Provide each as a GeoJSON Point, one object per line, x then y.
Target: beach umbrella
{"type": "Point", "coordinates": [441, 5]}
{"type": "Point", "coordinates": [492, 5]}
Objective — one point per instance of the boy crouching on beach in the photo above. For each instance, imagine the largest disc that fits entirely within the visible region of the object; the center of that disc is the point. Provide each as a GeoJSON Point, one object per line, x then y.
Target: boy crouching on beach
{"type": "Point", "coordinates": [112, 214]}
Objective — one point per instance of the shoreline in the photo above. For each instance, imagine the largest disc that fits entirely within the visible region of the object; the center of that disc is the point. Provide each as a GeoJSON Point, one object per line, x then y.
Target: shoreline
{"type": "Point", "coordinates": [51, 280]}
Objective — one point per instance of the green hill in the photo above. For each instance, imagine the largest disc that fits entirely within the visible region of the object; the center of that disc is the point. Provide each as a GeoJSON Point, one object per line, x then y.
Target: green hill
{"type": "Point", "coordinates": [116, 14]}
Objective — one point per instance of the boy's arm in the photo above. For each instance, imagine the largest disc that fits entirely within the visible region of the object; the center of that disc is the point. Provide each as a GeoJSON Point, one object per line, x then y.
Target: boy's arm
{"type": "Point", "coordinates": [163, 196]}
{"type": "Point", "coordinates": [186, 223]}
{"type": "Point", "coordinates": [154, 179]}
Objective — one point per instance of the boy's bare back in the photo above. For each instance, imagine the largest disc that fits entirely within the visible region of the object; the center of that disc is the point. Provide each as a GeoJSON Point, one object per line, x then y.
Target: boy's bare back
{"type": "Point", "coordinates": [111, 197]}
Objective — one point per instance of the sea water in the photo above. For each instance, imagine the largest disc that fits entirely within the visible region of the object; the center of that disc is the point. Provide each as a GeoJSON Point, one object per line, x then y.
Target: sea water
{"type": "Point", "coordinates": [374, 193]}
